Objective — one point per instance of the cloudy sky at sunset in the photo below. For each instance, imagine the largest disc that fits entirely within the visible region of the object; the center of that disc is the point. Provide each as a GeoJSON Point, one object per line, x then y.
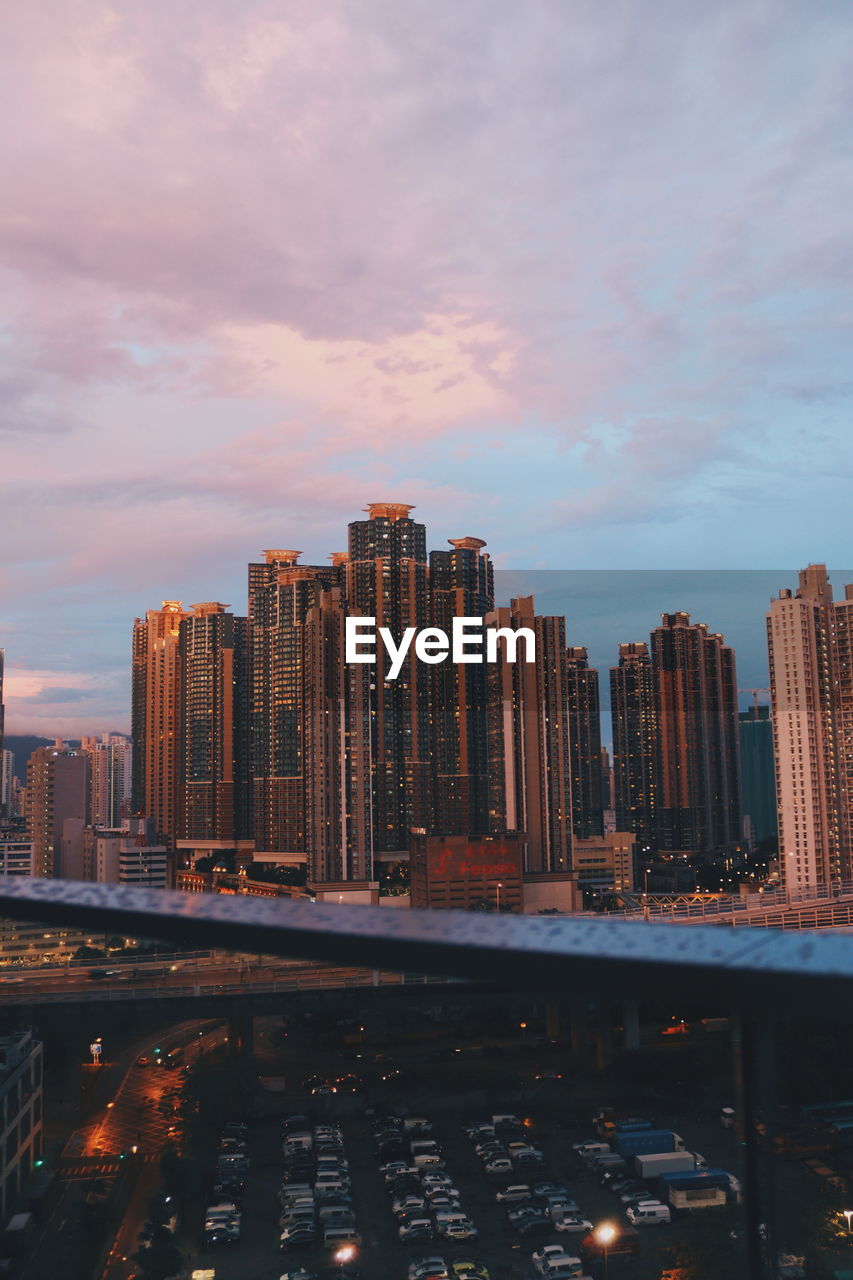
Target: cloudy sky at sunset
{"type": "Point", "coordinates": [570, 276]}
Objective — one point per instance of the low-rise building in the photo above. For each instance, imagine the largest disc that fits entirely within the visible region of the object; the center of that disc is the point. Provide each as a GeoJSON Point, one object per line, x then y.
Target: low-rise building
{"type": "Point", "coordinates": [20, 1113]}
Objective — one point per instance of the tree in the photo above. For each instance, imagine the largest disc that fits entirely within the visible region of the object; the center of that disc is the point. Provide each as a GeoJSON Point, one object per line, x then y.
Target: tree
{"type": "Point", "coordinates": [161, 1258]}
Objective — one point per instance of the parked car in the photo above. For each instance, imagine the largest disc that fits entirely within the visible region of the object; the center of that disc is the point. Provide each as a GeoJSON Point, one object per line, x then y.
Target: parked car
{"type": "Point", "coordinates": [570, 1223]}
{"type": "Point", "coordinates": [514, 1193]}
{"type": "Point", "coordinates": [464, 1229]}
{"type": "Point", "coordinates": [429, 1268]}
{"type": "Point", "coordinates": [551, 1257]}
{"type": "Point", "coordinates": [417, 1229]}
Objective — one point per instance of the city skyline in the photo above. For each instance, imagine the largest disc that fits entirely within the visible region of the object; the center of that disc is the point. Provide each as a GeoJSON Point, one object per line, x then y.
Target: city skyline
{"type": "Point", "coordinates": [573, 272]}
{"type": "Point", "coordinates": [603, 609]}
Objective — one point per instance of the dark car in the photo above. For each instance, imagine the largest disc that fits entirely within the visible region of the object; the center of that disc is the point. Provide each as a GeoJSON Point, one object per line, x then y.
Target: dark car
{"type": "Point", "coordinates": [536, 1228]}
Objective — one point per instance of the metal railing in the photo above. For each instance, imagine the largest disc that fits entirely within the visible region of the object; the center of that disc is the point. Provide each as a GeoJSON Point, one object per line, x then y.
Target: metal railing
{"type": "Point", "coordinates": [764, 975]}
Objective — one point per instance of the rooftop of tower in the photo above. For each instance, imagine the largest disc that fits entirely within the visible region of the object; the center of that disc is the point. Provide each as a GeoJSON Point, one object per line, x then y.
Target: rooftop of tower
{"type": "Point", "coordinates": [467, 544]}
{"type": "Point", "coordinates": [286, 557]}
{"type": "Point", "coordinates": [388, 510]}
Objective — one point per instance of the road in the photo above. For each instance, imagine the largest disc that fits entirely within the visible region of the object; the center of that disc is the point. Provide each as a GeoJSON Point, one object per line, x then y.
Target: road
{"type": "Point", "coordinates": [181, 981]}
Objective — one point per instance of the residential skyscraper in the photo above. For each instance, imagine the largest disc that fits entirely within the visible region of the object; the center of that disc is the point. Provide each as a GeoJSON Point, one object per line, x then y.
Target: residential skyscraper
{"type": "Point", "coordinates": [155, 716]}
{"type": "Point", "coordinates": [698, 783]}
{"type": "Point", "coordinates": [7, 780]}
{"type": "Point", "coordinates": [110, 778]}
{"type": "Point", "coordinates": [4, 799]}
{"type": "Point", "coordinates": [528, 734]}
{"type": "Point", "coordinates": [811, 682]}
{"type": "Point", "coordinates": [57, 789]}
{"type": "Point", "coordinates": [213, 787]}
{"type": "Point", "coordinates": [461, 586]}
{"type": "Point", "coordinates": [310, 720]}
{"type": "Point", "coordinates": [387, 579]}
{"type": "Point", "coordinates": [634, 712]}
{"type": "Point", "coordinates": [585, 744]}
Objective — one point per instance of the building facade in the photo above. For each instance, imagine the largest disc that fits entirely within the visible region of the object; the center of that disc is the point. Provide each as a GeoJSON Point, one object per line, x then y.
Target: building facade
{"type": "Point", "coordinates": [21, 1113]}
{"type": "Point", "coordinates": [585, 744]}
{"type": "Point", "coordinates": [462, 872]}
{"type": "Point", "coordinates": [811, 682]}
{"type": "Point", "coordinates": [57, 789]}
{"type": "Point", "coordinates": [110, 778]}
{"type": "Point", "coordinates": [156, 713]}
{"type": "Point", "coordinates": [634, 713]}
{"type": "Point", "coordinates": [17, 857]}
{"type": "Point", "coordinates": [528, 737]}
{"type": "Point", "coordinates": [213, 764]}
{"type": "Point", "coordinates": [697, 770]}
{"type": "Point", "coordinates": [387, 578]}
{"type": "Point", "coordinates": [461, 585]}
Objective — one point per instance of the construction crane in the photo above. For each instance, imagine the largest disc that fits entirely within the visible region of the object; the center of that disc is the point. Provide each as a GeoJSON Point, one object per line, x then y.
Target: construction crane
{"type": "Point", "coordinates": [755, 693]}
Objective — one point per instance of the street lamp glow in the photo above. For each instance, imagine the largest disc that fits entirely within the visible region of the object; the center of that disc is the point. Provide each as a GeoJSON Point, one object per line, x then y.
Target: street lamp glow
{"type": "Point", "coordinates": [346, 1253]}
{"type": "Point", "coordinates": [848, 1214]}
{"type": "Point", "coordinates": [606, 1232]}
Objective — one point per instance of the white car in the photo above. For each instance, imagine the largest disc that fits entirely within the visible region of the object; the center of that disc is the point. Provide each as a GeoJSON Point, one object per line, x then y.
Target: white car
{"type": "Point", "coordinates": [572, 1223]}
{"type": "Point", "coordinates": [551, 1257]}
{"type": "Point", "coordinates": [464, 1230]}
{"type": "Point", "coordinates": [408, 1204]}
{"type": "Point", "coordinates": [499, 1165]}
{"type": "Point", "coordinates": [435, 1267]}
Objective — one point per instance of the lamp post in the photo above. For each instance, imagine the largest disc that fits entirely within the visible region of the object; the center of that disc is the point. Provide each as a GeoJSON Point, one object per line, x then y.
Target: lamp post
{"type": "Point", "coordinates": [604, 1234]}
{"type": "Point", "coordinates": [345, 1254]}
{"type": "Point", "coordinates": [848, 1214]}
{"type": "Point", "coordinates": [500, 886]}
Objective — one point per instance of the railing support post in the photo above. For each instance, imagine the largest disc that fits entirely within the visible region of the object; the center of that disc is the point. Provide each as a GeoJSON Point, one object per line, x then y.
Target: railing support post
{"type": "Point", "coordinates": [752, 1040]}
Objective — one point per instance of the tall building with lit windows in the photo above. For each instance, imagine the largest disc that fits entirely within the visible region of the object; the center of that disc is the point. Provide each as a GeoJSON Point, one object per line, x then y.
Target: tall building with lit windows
{"type": "Point", "coordinates": [585, 744]}
{"type": "Point", "coordinates": [698, 806]}
{"type": "Point", "coordinates": [530, 787]}
{"type": "Point", "coordinates": [57, 791]}
{"type": "Point", "coordinates": [387, 579]}
{"type": "Point", "coordinates": [810, 645]}
{"type": "Point", "coordinates": [461, 586]}
{"type": "Point", "coordinates": [156, 716]}
{"type": "Point", "coordinates": [634, 715]}
{"type": "Point", "coordinates": [213, 778]}
{"type": "Point", "coordinates": [110, 778]}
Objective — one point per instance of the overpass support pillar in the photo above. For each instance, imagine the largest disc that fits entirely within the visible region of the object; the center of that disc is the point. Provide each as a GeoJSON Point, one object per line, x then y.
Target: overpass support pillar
{"type": "Point", "coordinates": [603, 1037]}
{"type": "Point", "coordinates": [552, 1020]}
{"type": "Point", "coordinates": [631, 1027]}
{"type": "Point", "coordinates": [241, 1039]}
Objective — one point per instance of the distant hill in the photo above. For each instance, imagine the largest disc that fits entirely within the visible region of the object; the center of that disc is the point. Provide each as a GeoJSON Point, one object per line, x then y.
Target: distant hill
{"type": "Point", "coordinates": [23, 745]}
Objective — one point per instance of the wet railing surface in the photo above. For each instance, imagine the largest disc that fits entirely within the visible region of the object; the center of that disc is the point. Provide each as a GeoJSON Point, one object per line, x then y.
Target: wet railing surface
{"type": "Point", "coordinates": [762, 976]}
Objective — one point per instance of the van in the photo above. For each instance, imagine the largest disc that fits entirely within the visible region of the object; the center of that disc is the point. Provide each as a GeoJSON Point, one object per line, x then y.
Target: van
{"type": "Point", "coordinates": [649, 1213]}
{"type": "Point", "coordinates": [449, 1218]}
{"type": "Point", "coordinates": [424, 1147]}
{"type": "Point", "coordinates": [298, 1142]}
{"type": "Point", "coordinates": [586, 1150]}
{"type": "Point", "coordinates": [417, 1124]}
{"type": "Point", "coordinates": [334, 1237]}
{"type": "Point", "coordinates": [429, 1162]}
{"type": "Point", "coordinates": [511, 1122]}
{"type": "Point", "coordinates": [329, 1213]}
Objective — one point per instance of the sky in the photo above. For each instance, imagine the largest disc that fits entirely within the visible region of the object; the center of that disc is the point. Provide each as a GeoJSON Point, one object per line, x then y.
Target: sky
{"type": "Point", "coordinates": [571, 277]}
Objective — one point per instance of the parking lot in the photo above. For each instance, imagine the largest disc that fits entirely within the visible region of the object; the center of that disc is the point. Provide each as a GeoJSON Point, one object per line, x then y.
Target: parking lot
{"type": "Point", "coordinates": [498, 1250]}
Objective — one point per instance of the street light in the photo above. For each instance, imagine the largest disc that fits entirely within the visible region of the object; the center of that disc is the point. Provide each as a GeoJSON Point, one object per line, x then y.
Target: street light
{"type": "Point", "coordinates": [345, 1254]}
{"type": "Point", "coordinates": [500, 886]}
{"type": "Point", "coordinates": [604, 1235]}
{"type": "Point", "coordinates": [848, 1214]}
